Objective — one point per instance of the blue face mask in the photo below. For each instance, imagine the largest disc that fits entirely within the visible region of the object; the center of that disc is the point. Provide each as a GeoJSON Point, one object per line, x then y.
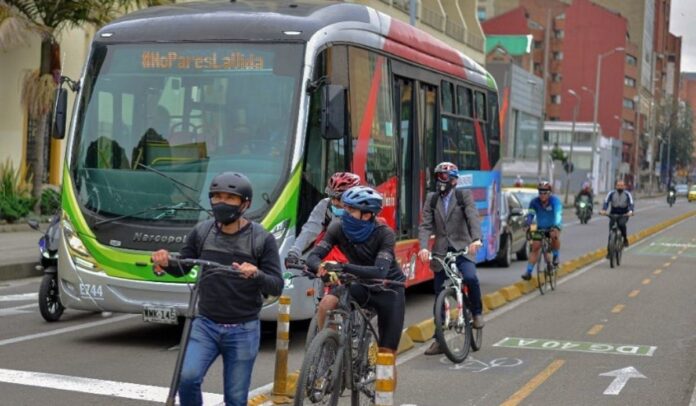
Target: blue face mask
{"type": "Point", "coordinates": [357, 231]}
{"type": "Point", "coordinates": [336, 211]}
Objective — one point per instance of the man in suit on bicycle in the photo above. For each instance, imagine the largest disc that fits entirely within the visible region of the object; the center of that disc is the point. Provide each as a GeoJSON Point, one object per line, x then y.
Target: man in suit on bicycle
{"type": "Point", "coordinates": [548, 210]}
{"type": "Point", "coordinates": [621, 202]}
{"type": "Point", "coordinates": [451, 215]}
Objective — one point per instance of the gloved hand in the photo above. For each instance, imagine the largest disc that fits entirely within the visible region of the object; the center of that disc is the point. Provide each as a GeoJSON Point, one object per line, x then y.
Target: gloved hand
{"type": "Point", "coordinates": [293, 260]}
{"type": "Point", "coordinates": [330, 278]}
{"type": "Point", "coordinates": [332, 266]}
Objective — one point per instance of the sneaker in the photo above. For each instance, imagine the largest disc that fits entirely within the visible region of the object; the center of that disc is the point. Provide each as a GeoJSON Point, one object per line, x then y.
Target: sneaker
{"type": "Point", "coordinates": [478, 321]}
{"type": "Point", "coordinates": [555, 262]}
{"type": "Point", "coordinates": [434, 349]}
{"type": "Point", "coordinates": [625, 242]}
{"type": "Point", "coordinates": [527, 276]}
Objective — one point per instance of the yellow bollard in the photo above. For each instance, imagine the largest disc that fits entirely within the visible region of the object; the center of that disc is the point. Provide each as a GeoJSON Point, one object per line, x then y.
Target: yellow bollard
{"type": "Point", "coordinates": [280, 379]}
{"type": "Point", "coordinates": [385, 384]}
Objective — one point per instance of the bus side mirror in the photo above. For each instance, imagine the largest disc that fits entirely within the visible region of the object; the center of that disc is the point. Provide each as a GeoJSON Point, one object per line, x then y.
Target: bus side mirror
{"type": "Point", "coordinates": [60, 113]}
{"type": "Point", "coordinates": [333, 112]}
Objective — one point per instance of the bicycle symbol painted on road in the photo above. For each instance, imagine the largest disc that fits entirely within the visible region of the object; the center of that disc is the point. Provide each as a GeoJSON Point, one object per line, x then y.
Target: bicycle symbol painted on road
{"type": "Point", "coordinates": [474, 365]}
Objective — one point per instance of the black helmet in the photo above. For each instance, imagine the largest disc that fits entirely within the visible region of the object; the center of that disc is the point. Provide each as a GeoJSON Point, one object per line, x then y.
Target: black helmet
{"type": "Point", "coordinates": [231, 182]}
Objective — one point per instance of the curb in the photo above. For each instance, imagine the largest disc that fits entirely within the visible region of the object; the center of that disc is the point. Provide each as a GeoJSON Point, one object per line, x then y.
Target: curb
{"type": "Point", "coordinates": [18, 271]}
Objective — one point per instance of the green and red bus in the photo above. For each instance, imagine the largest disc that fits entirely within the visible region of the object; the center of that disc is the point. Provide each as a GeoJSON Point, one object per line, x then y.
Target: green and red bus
{"type": "Point", "coordinates": [285, 92]}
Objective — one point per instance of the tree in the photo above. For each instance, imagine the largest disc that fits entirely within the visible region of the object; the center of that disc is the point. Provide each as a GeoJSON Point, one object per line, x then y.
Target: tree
{"type": "Point", "coordinates": [676, 128]}
{"type": "Point", "coordinates": [21, 20]}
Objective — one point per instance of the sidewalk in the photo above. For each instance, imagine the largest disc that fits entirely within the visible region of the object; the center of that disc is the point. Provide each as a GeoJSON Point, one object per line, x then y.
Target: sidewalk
{"type": "Point", "coordinates": [19, 251]}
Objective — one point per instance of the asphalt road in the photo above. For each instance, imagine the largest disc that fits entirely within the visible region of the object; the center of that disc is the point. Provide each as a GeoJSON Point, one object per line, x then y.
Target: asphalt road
{"type": "Point", "coordinates": [118, 360]}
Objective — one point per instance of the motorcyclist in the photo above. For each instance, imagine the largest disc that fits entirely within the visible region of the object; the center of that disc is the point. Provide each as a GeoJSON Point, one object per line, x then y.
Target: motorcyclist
{"type": "Point", "coordinates": [323, 213]}
{"type": "Point", "coordinates": [585, 194]}
{"type": "Point", "coordinates": [518, 181]}
{"type": "Point", "coordinates": [672, 192]}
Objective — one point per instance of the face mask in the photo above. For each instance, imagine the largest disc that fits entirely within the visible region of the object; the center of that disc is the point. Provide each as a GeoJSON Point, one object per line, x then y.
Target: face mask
{"type": "Point", "coordinates": [226, 213]}
{"type": "Point", "coordinates": [336, 211]}
{"type": "Point", "coordinates": [356, 230]}
{"type": "Point", "coordinates": [444, 187]}
{"type": "Point", "coordinates": [620, 190]}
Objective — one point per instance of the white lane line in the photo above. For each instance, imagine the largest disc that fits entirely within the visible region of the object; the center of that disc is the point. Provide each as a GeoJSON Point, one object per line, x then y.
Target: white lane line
{"type": "Point", "coordinates": [67, 329]}
{"type": "Point", "coordinates": [19, 297]}
{"type": "Point", "coordinates": [13, 311]}
{"type": "Point", "coordinates": [95, 386]}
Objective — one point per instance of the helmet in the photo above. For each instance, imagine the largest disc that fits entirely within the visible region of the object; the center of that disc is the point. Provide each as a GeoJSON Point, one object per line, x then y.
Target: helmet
{"type": "Point", "coordinates": [544, 185]}
{"type": "Point", "coordinates": [363, 198]}
{"type": "Point", "coordinates": [231, 182]}
{"type": "Point", "coordinates": [340, 182]}
{"type": "Point", "coordinates": [586, 186]}
{"type": "Point", "coordinates": [518, 181]}
{"type": "Point", "coordinates": [446, 169]}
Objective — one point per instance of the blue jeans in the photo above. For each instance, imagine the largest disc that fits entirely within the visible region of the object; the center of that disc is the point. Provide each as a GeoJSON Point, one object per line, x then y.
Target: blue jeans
{"type": "Point", "coordinates": [238, 345]}
{"type": "Point", "coordinates": [468, 271]}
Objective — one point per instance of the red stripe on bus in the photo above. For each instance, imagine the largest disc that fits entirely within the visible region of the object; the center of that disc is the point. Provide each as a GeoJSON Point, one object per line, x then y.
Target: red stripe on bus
{"type": "Point", "coordinates": [414, 45]}
{"type": "Point", "coordinates": [360, 153]}
{"type": "Point", "coordinates": [483, 150]}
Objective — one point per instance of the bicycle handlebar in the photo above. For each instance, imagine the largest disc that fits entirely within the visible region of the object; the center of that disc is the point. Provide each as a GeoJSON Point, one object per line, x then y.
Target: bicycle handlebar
{"type": "Point", "coordinates": [449, 257]}
{"type": "Point", "coordinates": [191, 262]}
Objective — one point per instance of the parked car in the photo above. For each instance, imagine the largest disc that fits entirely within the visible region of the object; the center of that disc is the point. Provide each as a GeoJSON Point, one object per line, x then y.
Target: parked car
{"type": "Point", "coordinates": [682, 189]}
{"type": "Point", "coordinates": [692, 194]}
{"type": "Point", "coordinates": [523, 194]}
{"type": "Point", "coordinates": [513, 239]}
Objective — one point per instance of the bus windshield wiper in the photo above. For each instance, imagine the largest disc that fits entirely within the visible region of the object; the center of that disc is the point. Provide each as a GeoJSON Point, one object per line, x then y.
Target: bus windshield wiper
{"type": "Point", "coordinates": [166, 209]}
{"type": "Point", "coordinates": [177, 184]}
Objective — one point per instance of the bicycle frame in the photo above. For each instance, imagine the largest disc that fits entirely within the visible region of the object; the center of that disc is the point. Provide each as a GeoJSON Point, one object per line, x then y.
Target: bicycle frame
{"type": "Point", "coordinates": [449, 266]}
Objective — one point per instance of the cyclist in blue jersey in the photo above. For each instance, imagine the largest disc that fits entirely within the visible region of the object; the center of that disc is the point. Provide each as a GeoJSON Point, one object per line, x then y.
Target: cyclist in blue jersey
{"type": "Point", "coordinates": [549, 216]}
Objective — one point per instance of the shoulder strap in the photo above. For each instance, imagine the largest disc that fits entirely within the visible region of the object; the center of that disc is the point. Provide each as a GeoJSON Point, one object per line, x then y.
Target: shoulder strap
{"type": "Point", "coordinates": [433, 201]}
{"type": "Point", "coordinates": [459, 194]}
{"type": "Point", "coordinates": [202, 238]}
{"type": "Point", "coordinates": [258, 240]}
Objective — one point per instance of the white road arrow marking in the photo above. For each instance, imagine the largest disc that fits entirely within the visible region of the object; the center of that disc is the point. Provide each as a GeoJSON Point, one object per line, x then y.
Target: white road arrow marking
{"type": "Point", "coordinates": [621, 378]}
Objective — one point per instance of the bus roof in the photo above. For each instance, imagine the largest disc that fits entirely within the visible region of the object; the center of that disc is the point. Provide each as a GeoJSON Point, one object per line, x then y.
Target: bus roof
{"type": "Point", "coordinates": [265, 20]}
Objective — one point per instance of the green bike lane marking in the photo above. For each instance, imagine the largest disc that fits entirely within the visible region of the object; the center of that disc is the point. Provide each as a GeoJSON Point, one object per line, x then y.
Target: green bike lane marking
{"type": "Point", "coordinates": [669, 246]}
{"type": "Point", "coordinates": [576, 346]}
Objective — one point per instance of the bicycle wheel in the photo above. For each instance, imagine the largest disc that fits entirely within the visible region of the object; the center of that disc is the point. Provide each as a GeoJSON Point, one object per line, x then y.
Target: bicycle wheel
{"type": "Point", "coordinates": [319, 382]}
{"type": "Point", "coordinates": [476, 333]}
{"type": "Point", "coordinates": [540, 272]}
{"type": "Point", "coordinates": [551, 275]}
{"type": "Point", "coordinates": [619, 249]}
{"type": "Point", "coordinates": [364, 367]}
{"type": "Point", "coordinates": [312, 331]}
{"type": "Point", "coordinates": [452, 332]}
{"type": "Point", "coordinates": [612, 249]}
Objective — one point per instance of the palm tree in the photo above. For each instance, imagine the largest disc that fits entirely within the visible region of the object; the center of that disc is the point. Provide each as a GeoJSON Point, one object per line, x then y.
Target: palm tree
{"type": "Point", "coordinates": [22, 19]}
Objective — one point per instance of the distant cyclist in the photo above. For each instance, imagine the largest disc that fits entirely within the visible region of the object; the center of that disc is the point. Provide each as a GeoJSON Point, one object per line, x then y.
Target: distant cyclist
{"type": "Point", "coordinates": [549, 217]}
{"type": "Point", "coordinates": [369, 247]}
{"type": "Point", "coordinates": [518, 181]}
{"type": "Point", "coordinates": [326, 210]}
{"type": "Point", "coordinates": [621, 202]}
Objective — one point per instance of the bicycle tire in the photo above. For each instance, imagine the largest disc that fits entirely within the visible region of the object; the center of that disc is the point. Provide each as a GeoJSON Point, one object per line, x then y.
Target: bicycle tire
{"type": "Point", "coordinates": [540, 272]}
{"type": "Point", "coordinates": [551, 275]}
{"type": "Point", "coordinates": [312, 331]}
{"type": "Point", "coordinates": [364, 368]}
{"type": "Point", "coordinates": [476, 333]}
{"type": "Point", "coordinates": [330, 370]}
{"type": "Point", "coordinates": [455, 346]}
{"type": "Point", "coordinates": [612, 250]}
{"type": "Point", "coordinates": [619, 249]}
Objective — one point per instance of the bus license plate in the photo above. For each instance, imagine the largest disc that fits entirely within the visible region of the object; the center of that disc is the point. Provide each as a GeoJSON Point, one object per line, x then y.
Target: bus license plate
{"type": "Point", "coordinates": [160, 314]}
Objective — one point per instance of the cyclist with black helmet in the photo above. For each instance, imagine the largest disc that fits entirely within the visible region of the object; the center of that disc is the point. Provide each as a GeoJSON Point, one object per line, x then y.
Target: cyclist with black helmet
{"type": "Point", "coordinates": [326, 210]}
{"type": "Point", "coordinates": [548, 211]}
{"type": "Point", "coordinates": [227, 323]}
{"type": "Point", "coordinates": [451, 215]}
{"type": "Point", "coordinates": [369, 247]}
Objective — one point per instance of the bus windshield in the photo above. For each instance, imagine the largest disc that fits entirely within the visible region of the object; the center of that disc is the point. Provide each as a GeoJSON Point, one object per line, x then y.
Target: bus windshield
{"type": "Point", "coordinates": [187, 111]}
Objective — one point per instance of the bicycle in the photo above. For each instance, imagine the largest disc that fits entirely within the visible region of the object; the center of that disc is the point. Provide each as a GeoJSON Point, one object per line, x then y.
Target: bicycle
{"type": "Point", "coordinates": [210, 268]}
{"type": "Point", "coordinates": [616, 242]}
{"type": "Point", "coordinates": [546, 272]}
{"type": "Point", "coordinates": [343, 354]}
{"type": "Point", "coordinates": [453, 318]}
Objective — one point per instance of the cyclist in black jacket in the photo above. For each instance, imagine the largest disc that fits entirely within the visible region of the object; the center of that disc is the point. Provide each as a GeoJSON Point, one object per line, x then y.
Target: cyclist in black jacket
{"type": "Point", "coordinates": [228, 319]}
{"type": "Point", "coordinates": [369, 247]}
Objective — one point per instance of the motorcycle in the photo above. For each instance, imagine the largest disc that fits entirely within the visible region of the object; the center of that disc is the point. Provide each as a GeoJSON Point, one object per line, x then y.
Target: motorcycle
{"type": "Point", "coordinates": [671, 197]}
{"type": "Point", "coordinates": [49, 300]}
{"type": "Point", "coordinates": [584, 211]}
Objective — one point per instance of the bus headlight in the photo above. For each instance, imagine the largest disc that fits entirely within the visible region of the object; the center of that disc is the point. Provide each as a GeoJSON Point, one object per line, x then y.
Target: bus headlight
{"type": "Point", "coordinates": [75, 243]}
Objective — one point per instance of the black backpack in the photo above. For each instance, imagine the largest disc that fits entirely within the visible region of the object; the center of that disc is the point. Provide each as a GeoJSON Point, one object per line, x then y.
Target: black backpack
{"type": "Point", "coordinates": [460, 201]}
{"type": "Point", "coordinates": [258, 240]}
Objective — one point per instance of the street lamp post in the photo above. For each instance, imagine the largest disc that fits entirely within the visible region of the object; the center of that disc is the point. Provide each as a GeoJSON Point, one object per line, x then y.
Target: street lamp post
{"type": "Point", "coordinates": [572, 139]}
{"type": "Point", "coordinates": [596, 108]}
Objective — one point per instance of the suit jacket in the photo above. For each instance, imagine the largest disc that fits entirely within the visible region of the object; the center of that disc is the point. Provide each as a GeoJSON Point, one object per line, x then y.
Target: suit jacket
{"type": "Point", "coordinates": [451, 229]}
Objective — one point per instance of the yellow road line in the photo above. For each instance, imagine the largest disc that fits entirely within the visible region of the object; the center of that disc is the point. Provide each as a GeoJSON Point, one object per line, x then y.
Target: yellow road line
{"type": "Point", "coordinates": [618, 308]}
{"type": "Point", "coordinates": [595, 329]}
{"type": "Point", "coordinates": [634, 293]}
{"type": "Point", "coordinates": [666, 264]}
{"type": "Point", "coordinates": [674, 257]}
{"type": "Point", "coordinates": [646, 281]}
{"type": "Point", "coordinates": [534, 383]}
{"type": "Point", "coordinates": [657, 271]}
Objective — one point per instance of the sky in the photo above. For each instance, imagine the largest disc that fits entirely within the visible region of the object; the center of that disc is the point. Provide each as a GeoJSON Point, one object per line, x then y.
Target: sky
{"type": "Point", "coordinates": [683, 23]}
